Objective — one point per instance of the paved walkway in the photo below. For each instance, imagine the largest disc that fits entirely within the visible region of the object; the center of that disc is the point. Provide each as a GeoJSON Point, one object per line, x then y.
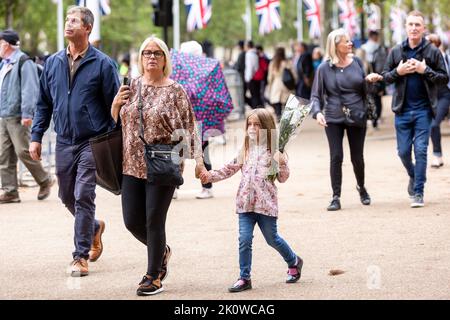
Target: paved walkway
{"type": "Point", "coordinates": [386, 250]}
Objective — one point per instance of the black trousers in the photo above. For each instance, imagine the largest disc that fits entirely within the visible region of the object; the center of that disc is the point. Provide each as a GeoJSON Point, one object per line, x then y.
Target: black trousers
{"type": "Point", "coordinates": [206, 161]}
{"type": "Point", "coordinates": [379, 108]}
{"type": "Point", "coordinates": [144, 208]}
{"type": "Point", "coordinates": [356, 137]}
{"type": "Point", "coordinates": [254, 86]}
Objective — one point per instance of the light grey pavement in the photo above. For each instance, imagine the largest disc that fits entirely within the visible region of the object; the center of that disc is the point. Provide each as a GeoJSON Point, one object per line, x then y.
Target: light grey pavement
{"type": "Point", "coordinates": [387, 250]}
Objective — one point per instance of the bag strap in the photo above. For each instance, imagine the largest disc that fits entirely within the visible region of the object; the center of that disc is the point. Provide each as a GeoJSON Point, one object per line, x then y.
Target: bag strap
{"type": "Point", "coordinates": [22, 60]}
{"type": "Point", "coordinates": [337, 83]}
{"type": "Point", "coordinates": [141, 115]}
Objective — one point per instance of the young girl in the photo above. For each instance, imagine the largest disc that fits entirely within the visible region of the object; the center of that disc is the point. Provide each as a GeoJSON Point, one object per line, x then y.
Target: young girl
{"type": "Point", "coordinates": [256, 200]}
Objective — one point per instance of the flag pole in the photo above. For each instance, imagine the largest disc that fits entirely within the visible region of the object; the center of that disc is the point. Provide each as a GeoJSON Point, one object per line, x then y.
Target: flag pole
{"type": "Point", "coordinates": [176, 24]}
{"type": "Point", "coordinates": [60, 33]}
{"type": "Point", "coordinates": [299, 20]}
{"type": "Point", "coordinates": [248, 14]}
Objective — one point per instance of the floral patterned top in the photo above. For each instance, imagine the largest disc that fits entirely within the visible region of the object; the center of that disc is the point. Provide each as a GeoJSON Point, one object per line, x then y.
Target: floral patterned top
{"type": "Point", "coordinates": [165, 109]}
{"type": "Point", "coordinates": [256, 193]}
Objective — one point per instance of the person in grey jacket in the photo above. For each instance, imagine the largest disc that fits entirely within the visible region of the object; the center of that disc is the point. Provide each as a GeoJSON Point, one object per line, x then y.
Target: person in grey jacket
{"type": "Point", "coordinates": [19, 90]}
{"type": "Point", "coordinates": [339, 85]}
{"type": "Point", "coordinates": [417, 68]}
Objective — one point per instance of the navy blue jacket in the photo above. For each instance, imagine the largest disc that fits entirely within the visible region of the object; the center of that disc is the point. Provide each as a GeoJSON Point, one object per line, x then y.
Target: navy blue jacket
{"type": "Point", "coordinates": [81, 110]}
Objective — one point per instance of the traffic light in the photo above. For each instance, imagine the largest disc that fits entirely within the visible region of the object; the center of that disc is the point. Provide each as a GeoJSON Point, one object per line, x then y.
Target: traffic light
{"type": "Point", "coordinates": [162, 13]}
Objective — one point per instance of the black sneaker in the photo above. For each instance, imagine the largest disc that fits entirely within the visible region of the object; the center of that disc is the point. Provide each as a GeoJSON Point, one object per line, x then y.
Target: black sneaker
{"type": "Point", "coordinates": [363, 195]}
{"type": "Point", "coordinates": [149, 286]}
{"type": "Point", "coordinates": [165, 264]}
{"type": "Point", "coordinates": [295, 273]}
{"type": "Point", "coordinates": [241, 285]}
{"type": "Point", "coordinates": [417, 201]}
{"type": "Point", "coordinates": [411, 188]}
{"type": "Point", "coordinates": [335, 204]}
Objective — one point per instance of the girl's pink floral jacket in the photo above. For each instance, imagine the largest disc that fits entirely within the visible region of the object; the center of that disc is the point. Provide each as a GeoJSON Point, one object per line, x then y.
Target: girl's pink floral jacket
{"type": "Point", "coordinates": [256, 193]}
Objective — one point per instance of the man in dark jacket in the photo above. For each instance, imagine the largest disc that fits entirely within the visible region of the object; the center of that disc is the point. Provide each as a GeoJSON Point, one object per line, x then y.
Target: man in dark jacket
{"type": "Point", "coordinates": [77, 87]}
{"type": "Point", "coordinates": [417, 69]}
{"type": "Point", "coordinates": [305, 70]}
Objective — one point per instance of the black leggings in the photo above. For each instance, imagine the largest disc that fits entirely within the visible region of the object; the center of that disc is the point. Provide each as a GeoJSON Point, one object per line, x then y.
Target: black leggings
{"type": "Point", "coordinates": [144, 208]}
{"type": "Point", "coordinates": [206, 161]}
{"type": "Point", "coordinates": [356, 136]}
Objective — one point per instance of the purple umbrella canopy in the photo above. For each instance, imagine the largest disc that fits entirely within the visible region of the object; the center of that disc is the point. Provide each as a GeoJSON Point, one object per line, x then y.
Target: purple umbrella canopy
{"type": "Point", "coordinates": [204, 82]}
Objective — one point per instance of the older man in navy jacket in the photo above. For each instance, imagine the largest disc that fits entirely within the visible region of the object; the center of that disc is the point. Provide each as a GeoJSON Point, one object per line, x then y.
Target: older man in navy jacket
{"type": "Point", "coordinates": [77, 87]}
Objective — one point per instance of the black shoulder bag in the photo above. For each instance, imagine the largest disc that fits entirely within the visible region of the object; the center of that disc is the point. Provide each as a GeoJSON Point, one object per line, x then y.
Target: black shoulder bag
{"type": "Point", "coordinates": [162, 165]}
{"type": "Point", "coordinates": [368, 96]}
{"type": "Point", "coordinates": [288, 79]}
{"type": "Point", "coordinates": [107, 153]}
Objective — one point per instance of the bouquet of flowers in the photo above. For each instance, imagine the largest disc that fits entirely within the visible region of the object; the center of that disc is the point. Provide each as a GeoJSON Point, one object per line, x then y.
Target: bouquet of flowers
{"type": "Point", "coordinates": [295, 111]}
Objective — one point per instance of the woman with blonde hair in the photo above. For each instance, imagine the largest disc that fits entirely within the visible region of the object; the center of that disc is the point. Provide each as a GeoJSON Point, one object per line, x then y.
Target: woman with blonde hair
{"type": "Point", "coordinates": [162, 106]}
{"type": "Point", "coordinates": [277, 91]}
{"type": "Point", "coordinates": [338, 104]}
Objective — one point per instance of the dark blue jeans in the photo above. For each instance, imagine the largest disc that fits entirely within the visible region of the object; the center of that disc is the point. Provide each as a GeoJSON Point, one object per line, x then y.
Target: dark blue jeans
{"type": "Point", "coordinates": [75, 170]}
{"type": "Point", "coordinates": [413, 128]}
{"type": "Point", "coordinates": [268, 226]}
{"type": "Point", "coordinates": [442, 111]}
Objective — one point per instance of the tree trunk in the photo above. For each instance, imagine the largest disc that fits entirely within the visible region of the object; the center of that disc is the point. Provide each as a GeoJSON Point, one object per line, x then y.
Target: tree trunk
{"type": "Point", "coordinates": [9, 14]}
{"type": "Point", "coordinates": [326, 19]}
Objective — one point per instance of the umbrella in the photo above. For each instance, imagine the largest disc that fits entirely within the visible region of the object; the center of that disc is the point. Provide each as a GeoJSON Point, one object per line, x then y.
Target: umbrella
{"type": "Point", "coordinates": [204, 82]}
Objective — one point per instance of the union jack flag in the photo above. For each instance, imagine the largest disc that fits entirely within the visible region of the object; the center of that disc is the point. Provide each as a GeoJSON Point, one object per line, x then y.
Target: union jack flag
{"type": "Point", "coordinates": [198, 13]}
{"type": "Point", "coordinates": [268, 12]}
{"type": "Point", "coordinates": [105, 8]}
{"type": "Point", "coordinates": [312, 14]}
{"type": "Point", "coordinates": [348, 17]}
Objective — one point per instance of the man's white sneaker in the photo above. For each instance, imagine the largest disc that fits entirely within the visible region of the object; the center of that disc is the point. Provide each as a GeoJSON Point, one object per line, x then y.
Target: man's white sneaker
{"type": "Point", "coordinates": [437, 162]}
{"type": "Point", "coordinates": [205, 194]}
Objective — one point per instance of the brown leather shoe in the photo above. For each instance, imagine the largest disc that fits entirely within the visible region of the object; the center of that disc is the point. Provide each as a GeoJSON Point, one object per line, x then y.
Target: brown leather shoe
{"type": "Point", "coordinates": [79, 268]}
{"type": "Point", "coordinates": [45, 188]}
{"type": "Point", "coordinates": [8, 197]}
{"type": "Point", "coordinates": [97, 245]}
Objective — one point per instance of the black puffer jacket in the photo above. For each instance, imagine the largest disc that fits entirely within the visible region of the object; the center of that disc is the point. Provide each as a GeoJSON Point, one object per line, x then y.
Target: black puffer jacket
{"type": "Point", "coordinates": [435, 74]}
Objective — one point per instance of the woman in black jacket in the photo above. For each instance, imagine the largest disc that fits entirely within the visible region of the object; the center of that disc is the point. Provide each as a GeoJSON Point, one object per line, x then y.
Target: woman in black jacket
{"type": "Point", "coordinates": [338, 104]}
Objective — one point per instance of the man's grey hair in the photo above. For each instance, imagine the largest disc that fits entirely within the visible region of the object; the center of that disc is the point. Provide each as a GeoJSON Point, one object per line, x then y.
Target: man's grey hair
{"type": "Point", "coordinates": [86, 15]}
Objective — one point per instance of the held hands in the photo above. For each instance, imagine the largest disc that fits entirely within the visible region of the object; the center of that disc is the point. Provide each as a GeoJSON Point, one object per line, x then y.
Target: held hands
{"type": "Point", "coordinates": [35, 150]}
{"type": "Point", "coordinates": [199, 169]}
{"type": "Point", "coordinates": [321, 119]}
{"type": "Point", "coordinates": [205, 177]}
{"type": "Point", "coordinates": [121, 97]}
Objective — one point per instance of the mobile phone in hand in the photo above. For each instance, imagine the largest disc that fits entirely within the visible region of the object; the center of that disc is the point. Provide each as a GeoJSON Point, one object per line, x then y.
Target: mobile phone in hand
{"type": "Point", "coordinates": [126, 81]}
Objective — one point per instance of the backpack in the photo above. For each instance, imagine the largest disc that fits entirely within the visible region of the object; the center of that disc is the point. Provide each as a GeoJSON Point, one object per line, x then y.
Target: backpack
{"type": "Point", "coordinates": [22, 60]}
{"type": "Point", "coordinates": [288, 79]}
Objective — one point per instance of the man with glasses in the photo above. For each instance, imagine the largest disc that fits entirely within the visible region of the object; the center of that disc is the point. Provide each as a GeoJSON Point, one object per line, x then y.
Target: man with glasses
{"type": "Point", "coordinates": [19, 89]}
{"type": "Point", "coordinates": [78, 86]}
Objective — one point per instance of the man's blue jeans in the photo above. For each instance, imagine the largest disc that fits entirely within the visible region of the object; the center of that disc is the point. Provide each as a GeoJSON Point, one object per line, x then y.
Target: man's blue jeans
{"type": "Point", "coordinates": [268, 226]}
{"type": "Point", "coordinates": [75, 170]}
{"type": "Point", "coordinates": [413, 128]}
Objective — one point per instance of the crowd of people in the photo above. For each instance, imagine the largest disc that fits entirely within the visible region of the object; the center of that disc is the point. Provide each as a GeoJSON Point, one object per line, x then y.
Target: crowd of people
{"type": "Point", "coordinates": [79, 89]}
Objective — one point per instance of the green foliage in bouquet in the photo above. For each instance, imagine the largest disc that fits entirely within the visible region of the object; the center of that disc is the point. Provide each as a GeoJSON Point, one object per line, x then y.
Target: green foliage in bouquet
{"type": "Point", "coordinates": [295, 112]}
